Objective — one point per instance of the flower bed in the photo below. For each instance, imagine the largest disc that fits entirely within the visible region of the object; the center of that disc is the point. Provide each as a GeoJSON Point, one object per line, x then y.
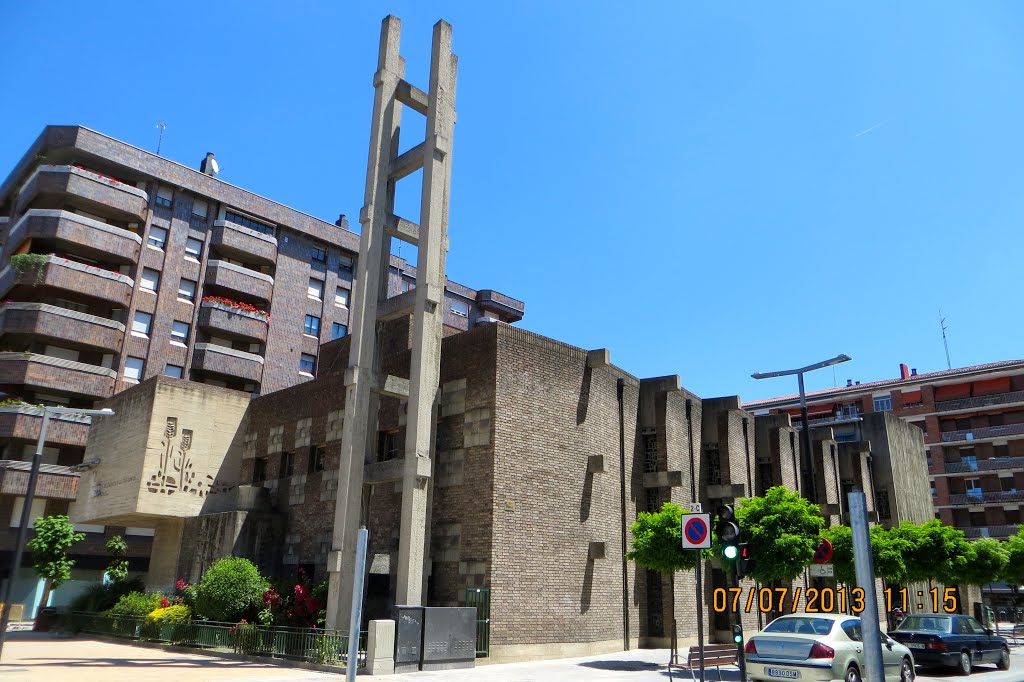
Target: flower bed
{"type": "Point", "coordinates": [236, 305]}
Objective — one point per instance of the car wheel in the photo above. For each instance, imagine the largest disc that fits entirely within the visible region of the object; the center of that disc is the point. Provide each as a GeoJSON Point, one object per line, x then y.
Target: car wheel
{"type": "Point", "coordinates": [906, 671]}
{"type": "Point", "coordinates": [1004, 659]}
{"type": "Point", "coordinates": [852, 675]}
{"type": "Point", "coordinates": [964, 666]}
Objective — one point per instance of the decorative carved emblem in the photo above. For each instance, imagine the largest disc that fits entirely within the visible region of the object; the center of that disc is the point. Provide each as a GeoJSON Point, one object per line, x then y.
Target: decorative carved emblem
{"type": "Point", "coordinates": [176, 471]}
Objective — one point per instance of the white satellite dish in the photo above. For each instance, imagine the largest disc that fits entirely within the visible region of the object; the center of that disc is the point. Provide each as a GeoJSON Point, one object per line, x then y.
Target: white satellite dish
{"type": "Point", "coordinates": [209, 165]}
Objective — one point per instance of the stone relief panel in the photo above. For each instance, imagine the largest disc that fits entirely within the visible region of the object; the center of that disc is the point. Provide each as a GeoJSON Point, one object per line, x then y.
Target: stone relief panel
{"type": "Point", "coordinates": [176, 468]}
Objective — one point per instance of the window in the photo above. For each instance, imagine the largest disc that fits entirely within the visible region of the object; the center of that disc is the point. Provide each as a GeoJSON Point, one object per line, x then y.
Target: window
{"type": "Point", "coordinates": [315, 289]}
{"type": "Point", "coordinates": [316, 459]}
{"type": "Point", "coordinates": [150, 280]}
{"type": "Point", "coordinates": [174, 371]}
{"type": "Point", "coordinates": [338, 330]}
{"type": "Point", "coordinates": [387, 446]}
{"type": "Point", "coordinates": [852, 628]}
{"type": "Point", "coordinates": [882, 503]}
{"type": "Point", "coordinates": [974, 487]}
{"type": "Point", "coordinates": [141, 323]}
{"type": "Point", "coordinates": [259, 470]}
{"type": "Point", "coordinates": [133, 369]}
{"type": "Point", "coordinates": [187, 290]}
{"type": "Point", "coordinates": [341, 297]}
{"type": "Point", "coordinates": [968, 457]}
{"type": "Point", "coordinates": [883, 404]}
{"type": "Point", "coordinates": [319, 255]}
{"type": "Point", "coordinates": [460, 308]}
{"type": "Point", "coordinates": [346, 264]}
{"type": "Point", "coordinates": [311, 325]}
{"type": "Point", "coordinates": [245, 221]}
{"type": "Point", "coordinates": [199, 208]}
{"type": "Point", "coordinates": [306, 363]}
{"type": "Point", "coordinates": [408, 284]}
{"type": "Point", "coordinates": [164, 197]}
{"type": "Point", "coordinates": [179, 332]}
{"type": "Point", "coordinates": [193, 248]}
{"type": "Point", "coordinates": [287, 464]}
{"type": "Point", "coordinates": [157, 236]}
{"type": "Point", "coordinates": [934, 493]}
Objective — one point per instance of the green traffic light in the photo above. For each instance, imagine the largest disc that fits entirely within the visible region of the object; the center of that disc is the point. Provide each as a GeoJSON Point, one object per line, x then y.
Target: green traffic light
{"type": "Point", "coordinates": [730, 551]}
{"type": "Point", "coordinates": [737, 638]}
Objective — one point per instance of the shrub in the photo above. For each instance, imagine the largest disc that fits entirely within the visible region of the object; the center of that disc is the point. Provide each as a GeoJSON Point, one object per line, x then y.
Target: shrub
{"type": "Point", "coordinates": [230, 589]}
{"type": "Point", "coordinates": [137, 604]}
{"type": "Point", "coordinates": [171, 615]}
{"type": "Point", "coordinates": [100, 597]}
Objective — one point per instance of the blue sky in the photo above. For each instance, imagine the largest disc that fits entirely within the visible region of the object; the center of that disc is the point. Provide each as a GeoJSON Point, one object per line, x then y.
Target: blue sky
{"type": "Point", "coordinates": [707, 189]}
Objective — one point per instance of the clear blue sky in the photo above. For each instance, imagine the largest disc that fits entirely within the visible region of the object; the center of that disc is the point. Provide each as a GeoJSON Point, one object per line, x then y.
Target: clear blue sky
{"type": "Point", "coordinates": [705, 188]}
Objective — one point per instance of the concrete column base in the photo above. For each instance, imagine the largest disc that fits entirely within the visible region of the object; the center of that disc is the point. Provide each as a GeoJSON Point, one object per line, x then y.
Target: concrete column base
{"type": "Point", "coordinates": [163, 562]}
{"type": "Point", "coordinates": [380, 648]}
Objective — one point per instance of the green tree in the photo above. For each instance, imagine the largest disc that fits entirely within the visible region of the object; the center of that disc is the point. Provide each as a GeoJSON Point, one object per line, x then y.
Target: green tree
{"type": "Point", "coordinates": [657, 541]}
{"type": "Point", "coordinates": [782, 530]}
{"type": "Point", "coordinates": [118, 567]}
{"type": "Point", "coordinates": [230, 589]}
{"type": "Point", "coordinates": [986, 562]}
{"type": "Point", "coordinates": [935, 552]}
{"type": "Point", "coordinates": [54, 536]}
{"type": "Point", "coordinates": [1013, 573]}
{"type": "Point", "coordinates": [886, 554]}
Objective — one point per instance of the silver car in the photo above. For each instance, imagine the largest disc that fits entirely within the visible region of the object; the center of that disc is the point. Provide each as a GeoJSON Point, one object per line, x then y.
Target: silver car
{"type": "Point", "coordinates": [820, 648]}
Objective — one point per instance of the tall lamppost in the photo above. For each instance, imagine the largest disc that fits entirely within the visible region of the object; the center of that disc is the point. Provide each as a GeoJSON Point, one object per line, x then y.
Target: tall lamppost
{"type": "Point", "coordinates": [26, 509]}
{"type": "Point", "coordinates": [805, 431]}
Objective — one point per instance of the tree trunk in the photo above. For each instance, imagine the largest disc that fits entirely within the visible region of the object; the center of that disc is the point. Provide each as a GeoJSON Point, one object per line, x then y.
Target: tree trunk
{"type": "Point", "coordinates": [47, 589]}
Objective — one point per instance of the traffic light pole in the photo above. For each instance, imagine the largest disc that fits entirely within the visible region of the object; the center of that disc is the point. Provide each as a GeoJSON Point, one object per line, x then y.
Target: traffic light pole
{"type": "Point", "coordinates": [739, 621]}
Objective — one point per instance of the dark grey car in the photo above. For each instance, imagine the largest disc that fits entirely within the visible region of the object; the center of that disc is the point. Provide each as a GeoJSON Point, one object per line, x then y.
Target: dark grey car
{"type": "Point", "coordinates": [959, 642]}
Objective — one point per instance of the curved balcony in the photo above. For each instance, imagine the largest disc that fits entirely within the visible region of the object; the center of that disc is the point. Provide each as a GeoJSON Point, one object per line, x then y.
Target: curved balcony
{"type": "Point", "coordinates": [73, 231]}
{"type": "Point", "coordinates": [980, 401]}
{"type": "Point", "coordinates": [227, 361]}
{"type": "Point", "coordinates": [243, 243]}
{"type": "Point", "coordinates": [23, 422]}
{"type": "Point", "coordinates": [982, 433]}
{"type": "Point", "coordinates": [56, 375]}
{"type": "Point", "coordinates": [221, 317]}
{"type": "Point", "coordinates": [240, 280]}
{"type": "Point", "coordinates": [989, 531]}
{"type": "Point", "coordinates": [54, 482]}
{"type": "Point", "coordinates": [82, 279]}
{"type": "Point", "coordinates": [90, 189]}
{"type": "Point", "coordinates": [54, 322]}
{"type": "Point", "coordinates": [990, 464]}
{"type": "Point", "coordinates": [987, 498]}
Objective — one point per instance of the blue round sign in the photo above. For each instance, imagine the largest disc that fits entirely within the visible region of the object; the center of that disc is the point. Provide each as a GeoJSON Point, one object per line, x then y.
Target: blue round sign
{"type": "Point", "coordinates": [695, 530]}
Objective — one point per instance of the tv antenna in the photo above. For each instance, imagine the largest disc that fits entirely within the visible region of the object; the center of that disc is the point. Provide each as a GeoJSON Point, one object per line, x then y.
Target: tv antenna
{"type": "Point", "coordinates": [945, 341]}
{"type": "Point", "coordinates": [161, 125]}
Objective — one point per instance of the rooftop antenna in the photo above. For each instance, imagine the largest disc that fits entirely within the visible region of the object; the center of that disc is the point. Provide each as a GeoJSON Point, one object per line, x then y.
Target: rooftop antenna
{"type": "Point", "coordinates": [945, 341]}
{"type": "Point", "coordinates": [161, 125]}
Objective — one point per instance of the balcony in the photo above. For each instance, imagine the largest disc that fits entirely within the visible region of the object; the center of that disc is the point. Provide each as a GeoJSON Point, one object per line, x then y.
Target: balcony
{"type": "Point", "coordinates": [980, 401]}
{"type": "Point", "coordinates": [228, 361]}
{"type": "Point", "coordinates": [91, 189]}
{"type": "Point", "coordinates": [240, 280]}
{"type": "Point", "coordinates": [842, 418]}
{"type": "Point", "coordinates": [222, 317]}
{"type": "Point", "coordinates": [987, 498]}
{"type": "Point", "coordinates": [73, 231]}
{"type": "Point", "coordinates": [61, 273]}
{"type": "Point", "coordinates": [992, 464]}
{"type": "Point", "coordinates": [982, 433]}
{"type": "Point", "coordinates": [22, 422]}
{"type": "Point", "coordinates": [989, 531]}
{"type": "Point", "coordinates": [53, 322]}
{"type": "Point", "coordinates": [243, 243]}
{"type": "Point", "coordinates": [54, 482]}
{"type": "Point", "coordinates": [55, 375]}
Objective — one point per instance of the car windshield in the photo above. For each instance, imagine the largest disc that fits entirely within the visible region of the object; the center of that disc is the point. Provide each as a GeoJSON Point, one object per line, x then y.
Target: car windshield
{"type": "Point", "coordinates": [800, 625]}
{"type": "Point", "coordinates": [925, 624]}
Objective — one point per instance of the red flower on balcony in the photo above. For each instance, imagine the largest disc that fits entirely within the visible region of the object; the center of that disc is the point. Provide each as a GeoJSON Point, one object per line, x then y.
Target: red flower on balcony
{"type": "Point", "coordinates": [238, 306]}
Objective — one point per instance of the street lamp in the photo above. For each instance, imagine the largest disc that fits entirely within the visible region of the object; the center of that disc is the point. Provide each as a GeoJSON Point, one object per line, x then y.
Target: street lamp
{"type": "Point", "coordinates": [805, 432]}
{"type": "Point", "coordinates": [26, 508]}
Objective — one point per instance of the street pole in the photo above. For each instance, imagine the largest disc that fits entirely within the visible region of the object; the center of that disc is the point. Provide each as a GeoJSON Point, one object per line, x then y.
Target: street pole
{"type": "Point", "coordinates": [866, 581]}
{"type": "Point", "coordinates": [26, 511]}
{"type": "Point", "coordinates": [739, 621]}
{"type": "Point", "coordinates": [362, 540]}
{"type": "Point", "coordinates": [806, 461]}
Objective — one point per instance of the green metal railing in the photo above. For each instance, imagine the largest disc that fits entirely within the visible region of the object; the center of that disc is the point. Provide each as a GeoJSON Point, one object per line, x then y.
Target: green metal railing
{"type": "Point", "coordinates": [480, 598]}
{"type": "Point", "coordinates": [299, 644]}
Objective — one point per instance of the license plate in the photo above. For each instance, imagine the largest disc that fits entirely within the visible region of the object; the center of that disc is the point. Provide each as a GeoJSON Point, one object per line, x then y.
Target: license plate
{"type": "Point", "coordinates": [780, 672]}
{"type": "Point", "coordinates": [915, 645]}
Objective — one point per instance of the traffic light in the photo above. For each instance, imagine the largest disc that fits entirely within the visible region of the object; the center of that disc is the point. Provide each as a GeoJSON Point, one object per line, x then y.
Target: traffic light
{"type": "Point", "coordinates": [728, 532]}
{"type": "Point", "coordinates": [737, 633]}
{"type": "Point", "coordinates": [745, 565]}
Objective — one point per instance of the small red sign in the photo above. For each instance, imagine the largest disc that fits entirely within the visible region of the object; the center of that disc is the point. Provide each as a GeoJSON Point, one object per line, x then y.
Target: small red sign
{"type": "Point", "coordinates": [823, 554]}
{"type": "Point", "coordinates": [696, 530]}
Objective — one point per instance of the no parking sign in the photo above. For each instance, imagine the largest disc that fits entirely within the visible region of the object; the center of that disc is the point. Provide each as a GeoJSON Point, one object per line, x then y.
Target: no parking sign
{"type": "Point", "coordinates": [696, 531]}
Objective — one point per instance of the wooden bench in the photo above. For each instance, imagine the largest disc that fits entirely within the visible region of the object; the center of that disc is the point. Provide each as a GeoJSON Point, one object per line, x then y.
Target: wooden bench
{"type": "Point", "coordinates": [715, 655]}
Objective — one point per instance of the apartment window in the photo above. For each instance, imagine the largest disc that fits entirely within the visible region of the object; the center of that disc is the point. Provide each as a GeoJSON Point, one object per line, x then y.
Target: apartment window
{"type": "Point", "coordinates": [287, 464]}
{"type": "Point", "coordinates": [193, 248]}
{"type": "Point", "coordinates": [306, 363]}
{"type": "Point", "coordinates": [259, 470]}
{"type": "Point", "coordinates": [319, 255]}
{"type": "Point", "coordinates": [133, 369]}
{"type": "Point", "coordinates": [141, 323]}
{"type": "Point", "coordinates": [338, 330]}
{"type": "Point", "coordinates": [150, 280]}
{"type": "Point", "coordinates": [346, 264]}
{"type": "Point", "coordinates": [969, 458]}
{"type": "Point", "coordinates": [973, 486]}
{"type": "Point", "coordinates": [312, 325]}
{"type": "Point", "coordinates": [71, 305]}
{"type": "Point", "coordinates": [199, 208]}
{"type": "Point", "coordinates": [934, 494]}
{"type": "Point", "coordinates": [1007, 484]}
{"type": "Point", "coordinates": [174, 371]}
{"type": "Point", "coordinates": [180, 332]}
{"type": "Point", "coordinates": [187, 290]}
{"type": "Point", "coordinates": [157, 236]}
{"type": "Point", "coordinates": [1001, 451]}
{"type": "Point", "coordinates": [316, 459]}
{"type": "Point", "coordinates": [341, 297]}
{"type": "Point", "coordinates": [387, 446]}
{"type": "Point", "coordinates": [408, 284]}
{"type": "Point", "coordinates": [245, 221]}
{"type": "Point", "coordinates": [315, 288]}
{"type": "Point", "coordinates": [882, 503]}
{"type": "Point", "coordinates": [883, 404]}
{"type": "Point", "coordinates": [164, 197]}
{"type": "Point", "coordinates": [460, 308]}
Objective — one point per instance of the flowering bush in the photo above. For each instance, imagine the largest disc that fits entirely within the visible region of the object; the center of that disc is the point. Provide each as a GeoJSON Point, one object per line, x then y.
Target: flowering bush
{"type": "Point", "coordinates": [301, 605]}
{"type": "Point", "coordinates": [238, 306]}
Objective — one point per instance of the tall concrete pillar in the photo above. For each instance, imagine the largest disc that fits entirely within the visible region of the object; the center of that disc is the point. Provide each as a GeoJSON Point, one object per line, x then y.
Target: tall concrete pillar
{"type": "Point", "coordinates": [364, 381]}
{"type": "Point", "coordinates": [163, 559]}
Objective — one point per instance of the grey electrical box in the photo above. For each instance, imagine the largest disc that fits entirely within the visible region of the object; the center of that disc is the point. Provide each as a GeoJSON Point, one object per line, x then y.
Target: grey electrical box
{"type": "Point", "coordinates": [449, 638]}
{"type": "Point", "coordinates": [408, 638]}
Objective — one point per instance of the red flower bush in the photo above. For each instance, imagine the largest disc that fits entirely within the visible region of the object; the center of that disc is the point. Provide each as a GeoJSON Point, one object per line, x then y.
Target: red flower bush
{"type": "Point", "coordinates": [238, 306]}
